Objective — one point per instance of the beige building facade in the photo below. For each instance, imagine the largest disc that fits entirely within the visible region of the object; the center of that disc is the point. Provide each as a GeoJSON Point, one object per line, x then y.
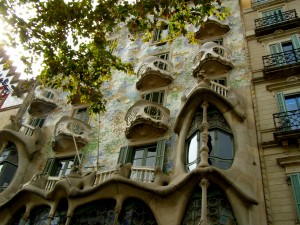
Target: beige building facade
{"type": "Point", "coordinates": [189, 139]}
{"type": "Point", "coordinates": [272, 34]}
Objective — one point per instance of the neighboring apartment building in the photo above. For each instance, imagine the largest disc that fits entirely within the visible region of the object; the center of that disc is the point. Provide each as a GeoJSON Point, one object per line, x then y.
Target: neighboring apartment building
{"type": "Point", "coordinates": [9, 104]}
{"type": "Point", "coordinates": [177, 144]}
{"type": "Point", "coordinates": [273, 36]}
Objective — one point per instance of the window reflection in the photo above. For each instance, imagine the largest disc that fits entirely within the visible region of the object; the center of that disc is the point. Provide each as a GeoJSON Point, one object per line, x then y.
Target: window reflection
{"type": "Point", "coordinates": [220, 142]}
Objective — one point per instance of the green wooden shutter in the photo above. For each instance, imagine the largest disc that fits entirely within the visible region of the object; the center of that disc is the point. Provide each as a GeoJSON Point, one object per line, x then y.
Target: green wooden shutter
{"type": "Point", "coordinates": [125, 155]}
{"type": "Point", "coordinates": [295, 41]}
{"type": "Point", "coordinates": [276, 48]}
{"type": "Point", "coordinates": [295, 178]}
{"type": "Point", "coordinates": [48, 166]}
{"type": "Point", "coordinates": [281, 102]}
{"type": "Point", "coordinates": [76, 160]}
{"type": "Point", "coordinates": [160, 153]}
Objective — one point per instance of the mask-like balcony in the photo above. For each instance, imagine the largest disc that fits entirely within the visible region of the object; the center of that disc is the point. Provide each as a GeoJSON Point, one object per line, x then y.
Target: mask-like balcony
{"type": "Point", "coordinates": [146, 119]}
{"type": "Point", "coordinates": [280, 21]}
{"type": "Point", "coordinates": [212, 27]}
{"type": "Point", "coordinates": [154, 72]}
{"type": "Point", "coordinates": [284, 64]}
{"type": "Point", "coordinates": [68, 130]}
{"type": "Point", "coordinates": [44, 101]}
{"type": "Point", "coordinates": [213, 59]}
{"type": "Point", "coordinates": [287, 126]}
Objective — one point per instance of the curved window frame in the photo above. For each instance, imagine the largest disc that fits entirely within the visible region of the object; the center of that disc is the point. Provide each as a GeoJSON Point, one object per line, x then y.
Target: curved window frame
{"type": "Point", "coordinates": [219, 126]}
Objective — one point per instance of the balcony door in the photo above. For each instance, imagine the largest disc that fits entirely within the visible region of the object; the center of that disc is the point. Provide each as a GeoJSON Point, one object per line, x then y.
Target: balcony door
{"type": "Point", "coordinates": [157, 97]}
{"type": "Point", "coordinates": [289, 106]}
{"type": "Point", "coordinates": [286, 52]}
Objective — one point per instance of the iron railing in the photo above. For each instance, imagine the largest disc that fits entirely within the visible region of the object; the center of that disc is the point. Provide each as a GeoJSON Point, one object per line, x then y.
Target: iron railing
{"type": "Point", "coordinates": [281, 59]}
{"type": "Point", "coordinates": [280, 17]}
{"type": "Point", "coordinates": [256, 2]}
{"type": "Point", "coordinates": [287, 121]}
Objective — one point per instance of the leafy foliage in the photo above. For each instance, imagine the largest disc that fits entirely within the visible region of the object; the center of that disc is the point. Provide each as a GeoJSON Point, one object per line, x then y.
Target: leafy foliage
{"type": "Point", "coordinates": [72, 37]}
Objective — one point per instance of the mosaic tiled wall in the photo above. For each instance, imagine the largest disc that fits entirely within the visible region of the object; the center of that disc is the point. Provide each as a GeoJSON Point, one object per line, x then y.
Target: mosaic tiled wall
{"type": "Point", "coordinates": [121, 92]}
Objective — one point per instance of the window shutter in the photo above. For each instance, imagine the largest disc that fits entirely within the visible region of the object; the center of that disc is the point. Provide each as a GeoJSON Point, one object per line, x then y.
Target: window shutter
{"type": "Point", "coordinates": [76, 161]}
{"type": "Point", "coordinates": [160, 153]}
{"type": "Point", "coordinates": [48, 166]}
{"type": "Point", "coordinates": [281, 102]}
{"type": "Point", "coordinates": [295, 41]}
{"type": "Point", "coordinates": [125, 155]}
{"type": "Point", "coordinates": [295, 178]}
{"type": "Point", "coordinates": [276, 48]}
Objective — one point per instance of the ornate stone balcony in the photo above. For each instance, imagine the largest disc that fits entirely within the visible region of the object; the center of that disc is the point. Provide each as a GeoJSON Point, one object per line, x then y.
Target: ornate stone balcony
{"type": "Point", "coordinates": [212, 27]}
{"type": "Point", "coordinates": [154, 72]}
{"type": "Point", "coordinates": [146, 119]}
{"type": "Point", "coordinates": [213, 59]}
{"type": "Point", "coordinates": [44, 101]}
{"type": "Point", "coordinates": [69, 130]}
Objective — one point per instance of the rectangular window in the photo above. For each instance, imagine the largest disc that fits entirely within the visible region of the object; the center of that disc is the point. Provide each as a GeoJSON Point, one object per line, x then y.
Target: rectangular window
{"type": "Point", "coordinates": [160, 34]}
{"type": "Point", "coordinates": [37, 122]}
{"type": "Point", "coordinates": [144, 156]}
{"type": "Point", "coordinates": [221, 81]}
{"type": "Point", "coordinates": [157, 97]}
{"type": "Point", "coordinates": [48, 94]}
{"type": "Point", "coordinates": [162, 65]}
{"type": "Point", "coordinates": [295, 180]}
{"type": "Point", "coordinates": [82, 114]}
{"type": "Point", "coordinates": [289, 108]}
{"type": "Point", "coordinates": [60, 167]}
{"type": "Point", "coordinates": [284, 52]}
{"type": "Point", "coordinates": [147, 156]}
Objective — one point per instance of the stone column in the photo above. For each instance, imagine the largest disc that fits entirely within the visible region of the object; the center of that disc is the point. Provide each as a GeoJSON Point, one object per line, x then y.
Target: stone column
{"type": "Point", "coordinates": [204, 185]}
{"type": "Point", "coordinates": [204, 150]}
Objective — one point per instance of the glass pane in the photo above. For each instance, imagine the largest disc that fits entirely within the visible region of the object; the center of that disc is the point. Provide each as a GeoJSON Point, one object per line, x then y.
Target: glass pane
{"type": "Point", "coordinates": [150, 162]}
{"type": "Point", "coordinates": [151, 152]}
{"type": "Point", "coordinates": [60, 167]}
{"type": "Point", "coordinates": [139, 153]}
{"type": "Point", "coordinates": [68, 168]}
{"type": "Point", "coordinates": [137, 162]}
{"type": "Point", "coordinates": [226, 147]}
{"type": "Point", "coordinates": [193, 149]}
{"type": "Point", "coordinates": [192, 166]}
{"type": "Point", "coordinates": [291, 103]}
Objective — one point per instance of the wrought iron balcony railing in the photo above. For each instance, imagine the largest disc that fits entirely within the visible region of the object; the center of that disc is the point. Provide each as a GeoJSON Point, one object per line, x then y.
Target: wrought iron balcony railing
{"type": "Point", "coordinates": [281, 59]}
{"type": "Point", "coordinates": [287, 121]}
{"type": "Point", "coordinates": [258, 2]}
{"type": "Point", "coordinates": [278, 18]}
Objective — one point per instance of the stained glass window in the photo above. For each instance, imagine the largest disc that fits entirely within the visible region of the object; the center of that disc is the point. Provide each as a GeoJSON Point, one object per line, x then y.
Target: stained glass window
{"type": "Point", "coordinates": [38, 216]}
{"type": "Point", "coordinates": [135, 212]}
{"type": "Point", "coordinates": [219, 210]}
{"type": "Point", "coordinates": [97, 213]}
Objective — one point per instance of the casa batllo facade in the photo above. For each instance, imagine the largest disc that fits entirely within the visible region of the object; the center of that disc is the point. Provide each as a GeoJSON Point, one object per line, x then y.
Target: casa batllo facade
{"type": "Point", "coordinates": [178, 143]}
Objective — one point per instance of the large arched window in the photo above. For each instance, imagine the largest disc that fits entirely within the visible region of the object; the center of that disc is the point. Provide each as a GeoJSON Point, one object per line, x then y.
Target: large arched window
{"type": "Point", "coordinates": [96, 213]}
{"type": "Point", "coordinates": [8, 165]}
{"type": "Point", "coordinates": [38, 216]}
{"type": "Point", "coordinates": [136, 212]}
{"type": "Point", "coordinates": [219, 210]}
{"type": "Point", "coordinates": [220, 143]}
